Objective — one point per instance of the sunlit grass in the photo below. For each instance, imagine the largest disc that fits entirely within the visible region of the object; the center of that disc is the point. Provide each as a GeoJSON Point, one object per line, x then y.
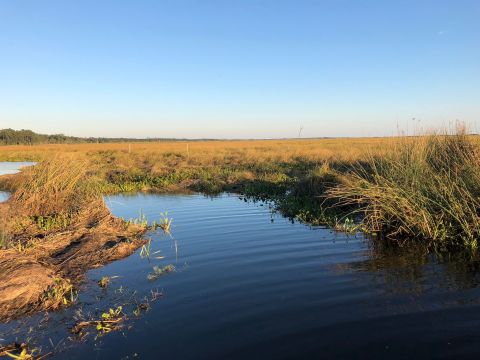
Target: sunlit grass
{"type": "Point", "coordinates": [403, 187]}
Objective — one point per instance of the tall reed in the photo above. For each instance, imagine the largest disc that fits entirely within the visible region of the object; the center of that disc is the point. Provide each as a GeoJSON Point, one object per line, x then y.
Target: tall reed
{"type": "Point", "coordinates": [425, 187]}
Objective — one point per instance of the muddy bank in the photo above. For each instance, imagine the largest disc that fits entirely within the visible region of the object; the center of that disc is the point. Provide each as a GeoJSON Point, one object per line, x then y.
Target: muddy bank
{"type": "Point", "coordinates": [41, 269]}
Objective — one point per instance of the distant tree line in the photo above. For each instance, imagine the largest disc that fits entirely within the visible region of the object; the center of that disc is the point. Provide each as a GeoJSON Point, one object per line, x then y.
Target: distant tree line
{"type": "Point", "coordinates": [28, 137]}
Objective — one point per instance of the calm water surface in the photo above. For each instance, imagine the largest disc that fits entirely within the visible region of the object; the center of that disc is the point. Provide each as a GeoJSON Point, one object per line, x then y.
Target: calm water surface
{"type": "Point", "coordinates": [12, 167]}
{"type": "Point", "coordinates": [250, 284]}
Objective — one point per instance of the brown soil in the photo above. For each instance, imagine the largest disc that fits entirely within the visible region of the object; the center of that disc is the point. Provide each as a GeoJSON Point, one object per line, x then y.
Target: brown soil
{"type": "Point", "coordinates": [95, 239]}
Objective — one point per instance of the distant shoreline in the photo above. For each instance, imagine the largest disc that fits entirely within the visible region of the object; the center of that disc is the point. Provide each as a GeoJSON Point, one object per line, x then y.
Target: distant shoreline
{"type": "Point", "coordinates": [29, 137]}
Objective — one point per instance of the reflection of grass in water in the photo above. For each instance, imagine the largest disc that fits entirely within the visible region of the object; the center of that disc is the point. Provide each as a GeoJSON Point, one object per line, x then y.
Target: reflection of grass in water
{"type": "Point", "coordinates": [414, 270]}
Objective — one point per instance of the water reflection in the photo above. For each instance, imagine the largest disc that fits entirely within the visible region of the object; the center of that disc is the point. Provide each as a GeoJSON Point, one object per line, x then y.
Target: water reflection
{"type": "Point", "coordinates": [414, 270]}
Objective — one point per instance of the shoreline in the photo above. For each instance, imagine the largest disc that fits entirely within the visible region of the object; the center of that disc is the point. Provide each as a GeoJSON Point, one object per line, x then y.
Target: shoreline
{"type": "Point", "coordinates": [44, 267]}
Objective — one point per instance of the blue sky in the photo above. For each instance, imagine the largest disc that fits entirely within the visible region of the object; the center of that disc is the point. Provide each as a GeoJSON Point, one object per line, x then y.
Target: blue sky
{"type": "Point", "coordinates": [238, 68]}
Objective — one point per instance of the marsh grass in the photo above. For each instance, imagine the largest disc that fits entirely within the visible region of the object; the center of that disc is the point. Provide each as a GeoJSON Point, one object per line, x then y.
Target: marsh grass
{"type": "Point", "coordinates": [53, 190]}
{"type": "Point", "coordinates": [5, 238]}
{"type": "Point", "coordinates": [424, 188]}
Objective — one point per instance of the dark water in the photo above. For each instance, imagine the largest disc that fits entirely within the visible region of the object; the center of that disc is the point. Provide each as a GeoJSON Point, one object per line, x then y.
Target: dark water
{"type": "Point", "coordinates": [250, 284]}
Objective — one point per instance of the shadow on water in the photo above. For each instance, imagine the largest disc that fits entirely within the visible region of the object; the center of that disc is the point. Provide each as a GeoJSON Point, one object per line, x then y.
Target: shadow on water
{"type": "Point", "coordinates": [415, 270]}
{"type": "Point", "coordinates": [249, 283]}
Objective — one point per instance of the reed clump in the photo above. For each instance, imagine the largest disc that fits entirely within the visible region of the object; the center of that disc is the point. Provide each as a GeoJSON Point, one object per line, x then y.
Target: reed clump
{"type": "Point", "coordinates": [424, 188]}
{"type": "Point", "coordinates": [54, 187]}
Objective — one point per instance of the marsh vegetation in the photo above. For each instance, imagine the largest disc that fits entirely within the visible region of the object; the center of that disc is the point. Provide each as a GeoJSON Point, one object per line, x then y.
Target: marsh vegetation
{"type": "Point", "coordinates": [419, 192]}
{"type": "Point", "coordinates": [422, 188]}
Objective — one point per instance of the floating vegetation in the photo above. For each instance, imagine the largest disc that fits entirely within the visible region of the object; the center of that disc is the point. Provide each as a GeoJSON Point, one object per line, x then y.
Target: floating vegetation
{"type": "Point", "coordinates": [110, 320]}
{"type": "Point", "coordinates": [144, 306]}
{"type": "Point", "coordinates": [104, 281]}
{"type": "Point", "coordinates": [160, 271]}
{"type": "Point", "coordinates": [21, 352]}
{"type": "Point", "coordinates": [113, 319]}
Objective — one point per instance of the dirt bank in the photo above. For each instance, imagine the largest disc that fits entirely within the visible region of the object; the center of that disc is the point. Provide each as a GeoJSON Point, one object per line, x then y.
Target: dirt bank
{"type": "Point", "coordinates": [41, 268]}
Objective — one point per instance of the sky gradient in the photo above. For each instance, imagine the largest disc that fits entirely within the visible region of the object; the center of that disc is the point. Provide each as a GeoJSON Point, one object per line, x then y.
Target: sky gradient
{"type": "Point", "coordinates": [239, 68]}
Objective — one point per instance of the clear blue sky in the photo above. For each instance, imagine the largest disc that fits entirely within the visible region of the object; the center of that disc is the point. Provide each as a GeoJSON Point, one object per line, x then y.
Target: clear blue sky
{"type": "Point", "coordinates": [238, 68]}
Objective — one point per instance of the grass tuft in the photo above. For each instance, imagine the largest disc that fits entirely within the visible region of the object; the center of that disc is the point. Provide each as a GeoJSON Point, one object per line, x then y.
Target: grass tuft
{"type": "Point", "coordinates": [424, 188]}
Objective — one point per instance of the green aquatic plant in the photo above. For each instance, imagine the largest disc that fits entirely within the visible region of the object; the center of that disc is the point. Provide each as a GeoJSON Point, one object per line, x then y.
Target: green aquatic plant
{"type": "Point", "coordinates": [61, 293]}
{"type": "Point", "coordinates": [141, 220]}
{"type": "Point", "coordinates": [165, 223]}
{"type": "Point", "coordinates": [110, 320]}
{"type": "Point", "coordinates": [20, 352]}
{"type": "Point", "coordinates": [348, 226]}
{"type": "Point", "coordinates": [145, 250]}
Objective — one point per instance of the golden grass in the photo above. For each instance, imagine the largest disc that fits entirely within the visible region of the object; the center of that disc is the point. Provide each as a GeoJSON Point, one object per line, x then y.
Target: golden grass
{"type": "Point", "coordinates": [392, 179]}
{"type": "Point", "coordinates": [211, 152]}
{"type": "Point", "coordinates": [423, 188]}
{"type": "Point", "coordinates": [55, 186]}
